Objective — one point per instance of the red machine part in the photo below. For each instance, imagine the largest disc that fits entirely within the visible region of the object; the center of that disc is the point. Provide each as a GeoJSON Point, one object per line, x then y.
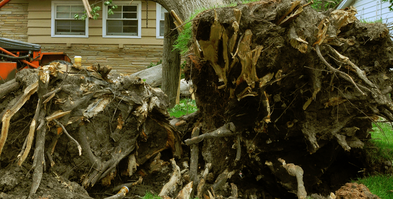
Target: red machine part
{"type": "Point", "coordinates": [8, 71]}
{"type": "Point", "coordinates": [2, 3]}
{"type": "Point", "coordinates": [34, 65]}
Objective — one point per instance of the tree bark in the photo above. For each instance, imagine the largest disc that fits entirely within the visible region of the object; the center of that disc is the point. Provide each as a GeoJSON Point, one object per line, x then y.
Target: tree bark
{"type": "Point", "coordinates": [170, 62]}
{"type": "Point", "coordinates": [184, 9]}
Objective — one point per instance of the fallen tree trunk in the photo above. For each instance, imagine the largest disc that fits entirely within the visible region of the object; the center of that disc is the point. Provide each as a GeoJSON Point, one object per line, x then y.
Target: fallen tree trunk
{"type": "Point", "coordinates": [153, 77]}
{"type": "Point", "coordinates": [296, 85]}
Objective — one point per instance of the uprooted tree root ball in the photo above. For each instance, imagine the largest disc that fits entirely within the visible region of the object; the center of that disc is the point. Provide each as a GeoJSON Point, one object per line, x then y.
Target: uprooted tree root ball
{"type": "Point", "coordinates": [286, 98]}
{"type": "Point", "coordinates": [102, 122]}
{"type": "Point", "coordinates": [281, 81]}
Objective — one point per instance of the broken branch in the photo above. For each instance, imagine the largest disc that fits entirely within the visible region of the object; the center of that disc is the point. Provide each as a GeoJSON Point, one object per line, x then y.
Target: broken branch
{"type": "Point", "coordinates": [225, 130]}
{"type": "Point", "coordinates": [171, 185]}
{"type": "Point", "coordinates": [30, 90]}
{"type": "Point", "coordinates": [194, 156]}
{"type": "Point", "coordinates": [8, 87]}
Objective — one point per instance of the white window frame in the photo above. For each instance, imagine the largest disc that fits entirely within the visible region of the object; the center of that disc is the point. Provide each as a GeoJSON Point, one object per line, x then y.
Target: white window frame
{"type": "Point", "coordinates": [53, 19]}
{"type": "Point", "coordinates": [158, 20]}
{"type": "Point", "coordinates": [122, 3]}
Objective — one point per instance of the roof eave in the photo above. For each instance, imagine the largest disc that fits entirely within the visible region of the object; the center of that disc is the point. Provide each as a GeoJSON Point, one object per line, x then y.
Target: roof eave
{"type": "Point", "coordinates": [344, 4]}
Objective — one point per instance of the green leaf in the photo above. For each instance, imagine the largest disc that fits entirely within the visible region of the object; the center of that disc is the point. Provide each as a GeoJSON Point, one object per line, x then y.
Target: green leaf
{"type": "Point", "coordinates": [110, 12]}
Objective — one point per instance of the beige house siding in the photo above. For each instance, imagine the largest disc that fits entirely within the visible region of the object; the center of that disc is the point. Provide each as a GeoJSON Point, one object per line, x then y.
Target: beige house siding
{"type": "Point", "coordinates": [127, 55]}
{"type": "Point", "coordinates": [130, 59]}
{"type": "Point", "coordinates": [13, 20]}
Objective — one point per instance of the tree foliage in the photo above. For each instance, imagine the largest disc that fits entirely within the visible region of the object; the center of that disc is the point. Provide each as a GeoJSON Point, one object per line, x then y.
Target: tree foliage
{"type": "Point", "coordinates": [391, 4]}
{"type": "Point", "coordinates": [321, 5]}
{"type": "Point", "coordinates": [95, 8]}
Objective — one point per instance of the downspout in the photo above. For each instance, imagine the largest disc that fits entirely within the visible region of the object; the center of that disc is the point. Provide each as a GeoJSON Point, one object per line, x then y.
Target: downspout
{"type": "Point", "coordinates": [2, 3]}
{"type": "Point", "coordinates": [381, 12]}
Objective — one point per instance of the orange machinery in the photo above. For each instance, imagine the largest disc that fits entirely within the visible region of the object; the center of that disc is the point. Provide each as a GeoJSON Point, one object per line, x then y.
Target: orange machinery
{"type": "Point", "coordinates": [17, 55]}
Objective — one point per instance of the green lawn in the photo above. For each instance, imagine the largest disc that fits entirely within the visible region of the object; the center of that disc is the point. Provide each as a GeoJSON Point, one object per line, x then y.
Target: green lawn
{"type": "Point", "coordinates": [380, 185]}
{"type": "Point", "coordinates": [150, 196]}
{"type": "Point", "coordinates": [382, 138]}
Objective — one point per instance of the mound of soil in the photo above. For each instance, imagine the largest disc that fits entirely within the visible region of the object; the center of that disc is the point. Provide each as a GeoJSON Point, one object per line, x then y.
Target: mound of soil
{"type": "Point", "coordinates": [354, 190]}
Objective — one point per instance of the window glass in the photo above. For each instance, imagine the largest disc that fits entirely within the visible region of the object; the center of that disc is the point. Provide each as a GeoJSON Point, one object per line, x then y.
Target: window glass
{"type": "Point", "coordinates": [124, 21]}
{"type": "Point", "coordinates": [69, 27]}
{"type": "Point", "coordinates": [160, 20]}
{"type": "Point", "coordinates": [64, 22]}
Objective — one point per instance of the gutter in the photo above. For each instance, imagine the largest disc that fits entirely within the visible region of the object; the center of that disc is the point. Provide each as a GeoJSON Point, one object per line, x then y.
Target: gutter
{"type": "Point", "coordinates": [344, 4]}
{"type": "Point", "coordinates": [2, 3]}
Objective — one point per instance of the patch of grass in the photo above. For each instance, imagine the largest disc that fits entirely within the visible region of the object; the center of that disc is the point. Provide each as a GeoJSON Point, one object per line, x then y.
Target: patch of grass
{"type": "Point", "coordinates": [380, 185]}
{"type": "Point", "coordinates": [186, 106]}
{"type": "Point", "coordinates": [368, 21]}
{"type": "Point", "coordinates": [382, 138]}
{"type": "Point", "coordinates": [151, 196]}
{"type": "Point", "coordinates": [382, 150]}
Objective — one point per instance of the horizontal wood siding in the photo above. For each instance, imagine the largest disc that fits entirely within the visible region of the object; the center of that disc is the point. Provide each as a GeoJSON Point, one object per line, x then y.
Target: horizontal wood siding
{"type": "Point", "coordinates": [373, 10]}
{"type": "Point", "coordinates": [39, 27]}
{"type": "Point", "coordinates": [13, 20]}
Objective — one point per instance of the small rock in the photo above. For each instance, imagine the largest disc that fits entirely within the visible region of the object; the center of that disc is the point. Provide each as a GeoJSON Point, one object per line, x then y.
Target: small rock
{"type": "Point", "coordinates": [50, 185]}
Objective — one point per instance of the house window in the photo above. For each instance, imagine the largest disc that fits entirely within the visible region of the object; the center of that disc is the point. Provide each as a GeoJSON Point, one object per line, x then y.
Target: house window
{"type": "Point", "coordinates": [160, 17]}
{"type": "Point", "coordinates": [125, 22]}
{"type": "Point", "coordinates": [63, 22]}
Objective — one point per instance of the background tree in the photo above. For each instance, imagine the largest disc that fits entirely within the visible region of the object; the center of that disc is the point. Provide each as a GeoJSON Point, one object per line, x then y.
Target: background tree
{"type": "Point", "coordinates": [391, 4]}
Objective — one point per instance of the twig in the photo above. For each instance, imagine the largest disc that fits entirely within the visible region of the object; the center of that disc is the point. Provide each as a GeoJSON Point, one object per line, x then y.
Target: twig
{"type": "Point", "coordinates": [50, 95]}
{"type": "Point", "coordinates": [121, 194]}
{"type": "Point", "coordinates": [52, 92]}
{"type": "Point", "coordinates": [66, 132]}
{"type": "Point", "coordinates": [226, 130]}
{"type": "Point", "coordinates": [57, 115]}
{"type": "Point", "coordinates": [342, 74]}
{"type": "Point", "coordinates": [131, 184]}
{"type": "Point", "coordinates": [359, 72]}
{"type": "Point", "coordinates": [238, 148]}
{"type": "Point", "coordinates": [194, 157]}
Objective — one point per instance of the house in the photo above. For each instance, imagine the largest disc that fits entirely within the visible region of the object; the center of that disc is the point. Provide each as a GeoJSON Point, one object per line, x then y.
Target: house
{"type": "Point", "coordinates": [128, 40]}
{"type": "Point", "coordinates": [370, 10]}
